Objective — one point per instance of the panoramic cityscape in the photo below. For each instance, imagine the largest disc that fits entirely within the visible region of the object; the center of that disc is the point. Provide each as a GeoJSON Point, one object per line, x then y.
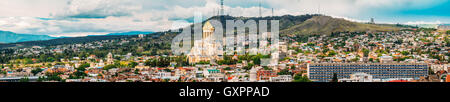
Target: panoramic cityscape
{"type": "Point", "coordinates": [267, 41]}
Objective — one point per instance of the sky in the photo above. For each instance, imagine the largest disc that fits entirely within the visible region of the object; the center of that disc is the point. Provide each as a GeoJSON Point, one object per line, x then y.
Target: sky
{"type": "Point", "coordinates": [97, 17]}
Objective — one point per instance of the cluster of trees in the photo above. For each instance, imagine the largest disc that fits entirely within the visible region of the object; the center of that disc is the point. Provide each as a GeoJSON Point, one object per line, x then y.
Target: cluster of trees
{"type": "Point", "coordinates": [2, 72]}
{"type": "Point", "coordinates": [366, 52]}
{"type": "Point", "coordinates": [165, 61]}
{"type": "Point", "coordinates": [36, 71]}
{"type": "Point", "coordinates": [251, 59]}
{"type": "Point", "coordinates": [426, 30]}
{"type": "Point", "coordinates": [335, 78]}
{"type": "Point", "coordinates": [51, 77]}
{"type": "Point", "coordinates": [204, 62]}
{"type": "Point", "coordinates": [79, 73]}
{"type": "Point", "coordinates": [285, 72]}
{"type": "Point", "coordinates": [329, 52]}
{"type": "Point", "coordinates": [26, 79]}
{"type": "Point", "coordinates": [227, 60]}
{"type": "Point", "coordinates": [69, 40]}
{"type": "Point", "coordinates": [299, 78]}
{"type": "Point", "coordinates": [160, 62]}
{"type": "Point", "coordinates": [156, 45]}
{"type": "Point", "coordinates": [111, 66]}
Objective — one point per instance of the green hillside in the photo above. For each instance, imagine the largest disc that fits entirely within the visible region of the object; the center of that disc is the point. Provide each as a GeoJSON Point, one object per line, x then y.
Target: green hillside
{"type": "Point", "coordinates": [327, 25]}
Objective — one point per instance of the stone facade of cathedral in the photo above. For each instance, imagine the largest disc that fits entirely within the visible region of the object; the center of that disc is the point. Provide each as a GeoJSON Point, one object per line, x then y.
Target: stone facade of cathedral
{"type": "Point", "coordinates": [206, 49]}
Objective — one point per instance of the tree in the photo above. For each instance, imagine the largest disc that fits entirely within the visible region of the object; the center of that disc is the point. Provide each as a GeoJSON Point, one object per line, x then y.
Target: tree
{"type": "Point", "coordinates": [266, 68]}
{"type": "Point", "coordinates": [431, 72]}
{"type": "Point", "coordinates": [228, 68]}
{"type": "Point", "coordinates": [36, 71]}
{"type": "Point", "coordinates": [249, 66]}
{"type": "Point", "coordinates": [203, 62]}
{"type": "Point", "coordinates": [53, 77]}
{"type": "Point", "coordinates": [136, 71]}
{"type": "Point", "coordinates": [50, 59]}
{"type": "Point", "coordinates": [300, 78]}
{"type": "Point", "coordinates": [84, 66]}
{"type": "Point", "coordinates": [332, 53]}
{"type": "Point", "coordinates": [167, 70]}
{"type": "Point", "coordinates": [398, 41]}
{"type": "Point", "coordinates": [284, 72]}
{"type": "Point", "coordinates": [111, 66]}
{"type": "Point", "coordinates": [355, 59]}
{"type": "Point", "coordinates": [227, 60]}
{"type": "Point", "coordinates": [366, 52]}
{"type": "Point", "coordinates": [151, 62]}
{"type": "Point", "coordinates": [28, 61]}
{"type": "Point", "coordinates": [133, 64]}
{"type": "Point", "coordinates": [24, 79]}
{"type": "Point", "coordinates": [100, 75]}
{"type": "Point", "coordinates": [2, 72]}
{"type": "Point", "coordinates": [448, 32]}
{"type": "Point", "coordinates": [335, 78]}
{"type": "Point", "coordinates": [257, 60]}
{"type": "Point", "coordinates": [293, 67]}
{"type": "Point", "coordinates": [40, 79]}
{"type": "Point", "coordinates": [405, 53]}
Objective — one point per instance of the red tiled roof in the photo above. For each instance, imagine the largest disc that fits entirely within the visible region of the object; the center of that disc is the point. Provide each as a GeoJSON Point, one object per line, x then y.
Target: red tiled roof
{"type": "Point", "coordinates": [447, 79]}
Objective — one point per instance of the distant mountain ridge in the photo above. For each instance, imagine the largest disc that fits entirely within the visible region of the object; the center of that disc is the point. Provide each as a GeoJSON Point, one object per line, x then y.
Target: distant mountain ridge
{"type": "Point", "coordinates": [127, 33]}
{"type": "Point", "coordinates": [11, 37]}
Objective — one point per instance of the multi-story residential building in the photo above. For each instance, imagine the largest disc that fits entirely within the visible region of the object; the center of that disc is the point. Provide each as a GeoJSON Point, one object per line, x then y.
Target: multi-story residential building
{"type": "Point", "coordinates": [323, 72]}
{"type": "Point", "coordinates": [281, 78]}
{"type": "Point", "coordinates": [438, 67]}
{"type": "Point", "coordinates": [358, 77]}
{"type": "Point", "coordinates": [265, 75]}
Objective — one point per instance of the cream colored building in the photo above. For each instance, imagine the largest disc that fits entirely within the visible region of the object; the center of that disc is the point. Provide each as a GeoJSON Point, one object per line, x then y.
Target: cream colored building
{"type": "Point", "coordinates": [109, 59]}
{"type": "Point", "coordinates": [205, 49]}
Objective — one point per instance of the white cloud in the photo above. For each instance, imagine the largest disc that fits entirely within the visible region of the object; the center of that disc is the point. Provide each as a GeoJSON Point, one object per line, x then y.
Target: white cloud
{"type": "Point", "coordinates": [30, 8]}
{"type": "Point", "coordinates": [100, 8]}
{"type": "Point", "coordinates": [351, 7]}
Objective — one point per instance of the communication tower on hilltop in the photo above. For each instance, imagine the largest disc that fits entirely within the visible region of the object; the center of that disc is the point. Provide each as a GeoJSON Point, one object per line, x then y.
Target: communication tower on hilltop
{"type": "Point", "coordinates": [372, 21]}
{"type": "Point", "coordinates": [272, 12]}
{"type": "Point", "coordinates": [221, 8]}
{"type": "Point", "coordinates": [260, 14]}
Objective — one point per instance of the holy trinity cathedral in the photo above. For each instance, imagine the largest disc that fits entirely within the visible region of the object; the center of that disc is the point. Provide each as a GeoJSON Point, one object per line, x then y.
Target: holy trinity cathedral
{"type": "Point", "coordinates": [206, 49]}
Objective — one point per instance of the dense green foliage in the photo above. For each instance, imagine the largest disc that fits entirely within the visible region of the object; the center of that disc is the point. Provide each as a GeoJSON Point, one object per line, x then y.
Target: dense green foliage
{"type": "Point", "coordinates": [36, 71]}
{"type": "Point", "coordinates": [70, 40]}
{"type": "Point", "coordinates": [299, 78]}
{"type": "Point", "coordinates": [335, 78]}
